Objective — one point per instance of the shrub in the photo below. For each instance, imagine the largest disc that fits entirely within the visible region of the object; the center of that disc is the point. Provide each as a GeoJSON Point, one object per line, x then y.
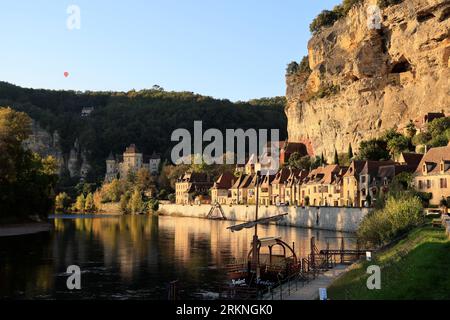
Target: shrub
{"type": "Point", "coordinates": [421, 138]}
{"type": "Point", "coordinates": [439, 126]}
{"type": "Point", "coordinates": [89, 206]}
{"type": "Point", "coordinates": [326, 91]}
{"type": "Point", "coordinates": [347, 5]}
{"type": "Point", "coordinates": [386, 3]}
{"type": "Point", "coordinates": [80, 203]}
{"type": "Point", "coordinates": [62, 202]}
{"type": "Point", "coordinates": [325, 19]}
{"type": "Point", "coordinates": [439, 141]}
{"type": "Point", "coordinates": [152, 205]}
{"type": "Point", "coordinates": [398, 216]}
{"type": "Point", "coordinates": [292, 68]}
{"type": "Point", "coordinates": [304, 67]}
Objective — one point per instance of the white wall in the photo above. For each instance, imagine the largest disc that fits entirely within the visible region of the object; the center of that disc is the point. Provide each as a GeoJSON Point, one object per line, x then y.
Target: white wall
{"type": "Point", "coordinates": [330, 218]}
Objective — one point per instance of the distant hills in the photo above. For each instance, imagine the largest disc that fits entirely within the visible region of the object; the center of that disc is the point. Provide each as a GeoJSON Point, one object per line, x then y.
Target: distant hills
{"type": "Point", "coordinates": [146, 118]}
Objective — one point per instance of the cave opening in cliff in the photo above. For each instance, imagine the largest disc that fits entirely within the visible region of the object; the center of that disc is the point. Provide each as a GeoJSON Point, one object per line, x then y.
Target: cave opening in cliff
{"type": "Point", "coordinates": [401, 66]}
{"type": "Point", "coordinates": [445, 15]}
{"type": "Point", "coordinates": [422, 17]}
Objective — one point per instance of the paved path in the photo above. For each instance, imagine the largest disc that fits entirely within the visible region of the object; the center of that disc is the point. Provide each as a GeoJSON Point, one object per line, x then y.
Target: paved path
{"type": "Point", "coordinates": [310, 290]}
{"type": "Point", "coordinates": [24, 229]}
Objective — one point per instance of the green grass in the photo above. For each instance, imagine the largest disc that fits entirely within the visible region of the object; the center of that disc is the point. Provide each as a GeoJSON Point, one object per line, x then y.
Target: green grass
{"type": "Point", "coordinates": [416, 268]}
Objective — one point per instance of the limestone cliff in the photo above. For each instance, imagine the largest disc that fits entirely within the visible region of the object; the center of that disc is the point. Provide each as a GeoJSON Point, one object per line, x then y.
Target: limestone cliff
{"type": "Point", "coordinates": [365, 80]}
{"type": "Point", "coordinates": [46, 144]}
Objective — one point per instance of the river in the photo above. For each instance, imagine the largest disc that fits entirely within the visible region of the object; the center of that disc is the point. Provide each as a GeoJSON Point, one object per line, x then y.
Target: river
{"type": "Point", "coordinates": [132, 257]}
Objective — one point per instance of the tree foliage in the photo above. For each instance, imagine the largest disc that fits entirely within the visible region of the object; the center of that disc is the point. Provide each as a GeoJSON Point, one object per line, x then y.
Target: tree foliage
{"type": "Point", "coordinates": [386, 3]}
{"type": "Point", "coordinates": [400, 215]}
{"type": "Point", "coordinates": [146, 118]}
{"type": "Point", "coordinates": [26, 180]}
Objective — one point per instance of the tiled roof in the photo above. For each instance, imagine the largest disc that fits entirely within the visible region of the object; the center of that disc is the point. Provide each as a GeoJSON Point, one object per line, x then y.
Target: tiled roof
{"type": "Point", "coordinates": [355, 168]}
{"type": "Point", "coordinates": [371, 167]}
{"type": "Point", "coordinates": [433, 159]}
{"type": "Point", "coordinates": [390, 171]}
{"type": "Point", "coordinates": [238, 182]}
{"type": "Point", "coordinates": [195, 177]}
{"type": "Point", "coordinates": [324, 175]}
{"type": "Point", "coordinates": [282, 176]}
{"type": "Point", "coordinates": [412, 160]}
{"type": "Point", "coordinates": [225, 181]}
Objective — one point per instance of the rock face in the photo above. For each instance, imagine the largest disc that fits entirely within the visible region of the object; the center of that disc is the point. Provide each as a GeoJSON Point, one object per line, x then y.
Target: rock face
{"type": "Point", "coordinates": [365, 80]}
{"type": "Point", "coordinates": [46, 144]}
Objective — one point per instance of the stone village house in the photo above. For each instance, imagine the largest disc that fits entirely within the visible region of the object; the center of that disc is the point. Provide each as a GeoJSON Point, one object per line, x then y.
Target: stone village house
{"type": "Point", "coordinates": [193, 188]}
{"type": "Point", "coordinates": [433, 174]}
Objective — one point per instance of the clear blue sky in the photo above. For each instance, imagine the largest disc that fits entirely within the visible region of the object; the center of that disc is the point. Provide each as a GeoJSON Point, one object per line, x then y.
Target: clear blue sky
{"type": "Point", "coordinates": [234, 49]}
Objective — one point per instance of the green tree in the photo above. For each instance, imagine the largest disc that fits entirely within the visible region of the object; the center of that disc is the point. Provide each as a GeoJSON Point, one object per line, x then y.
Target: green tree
{"type": "Point", "coordinates": [411, 129]}
{"type": "Point", "coordinates": [143, 179]}
{"type": "Point", "coordinates": [374, 149]}
{"type": "Point", "coordinates": [350, 151]}
{"type": "Point", "coordinates": [322, 160]}
{"type": "Point", "coordinates": [422, 138]}
{"type": "Point", "coordinates": [26, 180]}
{"type": "Point", "coordinates": [136, 204]}
{"type": "Point", "coordinates": [62, 202]}
{"type": "Point", "coordinates": [438, 126]}
{"type": "Point", "coordinates": [336, 157]}
{"type": "Point", "coordinates": [89, 206]}
{"type": "Point", "coordinates": [397, 145]}
{"type": "Point", "coordinates": [114, 190]}
{"type": "Point", "coordinates": [325, 19]}
{"type": "Point", "coordinates": [124, 202]}
{"type": "Point", "coordinates": [386, 3]}
{"type": "Point", "coordinates": [80, 203]}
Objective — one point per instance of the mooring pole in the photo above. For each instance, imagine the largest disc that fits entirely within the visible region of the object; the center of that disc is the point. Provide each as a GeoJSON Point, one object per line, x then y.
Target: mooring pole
{"type": "Point", "coordinates": [255, 236]}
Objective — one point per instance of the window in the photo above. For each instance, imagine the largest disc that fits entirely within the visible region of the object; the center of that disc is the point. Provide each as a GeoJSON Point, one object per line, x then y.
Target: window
{"type": "Point", "coordinates": [428, 184]}
{"type": "Point", "coordinates": [420, 184]}
{"type": "Point", "coordinates": [363, 179]}
{"type": "Point", "coordinates": [443, 183]}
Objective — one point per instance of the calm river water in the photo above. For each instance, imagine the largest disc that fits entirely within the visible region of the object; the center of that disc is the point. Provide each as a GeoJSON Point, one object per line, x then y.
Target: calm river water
{"type": "Point", "coordinates": [132, 257]}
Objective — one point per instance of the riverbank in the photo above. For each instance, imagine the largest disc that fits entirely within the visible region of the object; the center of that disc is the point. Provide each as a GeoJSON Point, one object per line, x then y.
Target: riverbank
{"type": "Point", "coordinates": [323, 218]}
{"type": "Point", "coordinates": [416, 268]}
{"type": "Point", "coordinates": [12, 230]}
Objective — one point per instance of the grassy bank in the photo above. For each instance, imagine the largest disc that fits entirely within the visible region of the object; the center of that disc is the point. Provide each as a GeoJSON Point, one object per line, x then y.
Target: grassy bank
{"type": "Point", "coordinates": [418, 267]}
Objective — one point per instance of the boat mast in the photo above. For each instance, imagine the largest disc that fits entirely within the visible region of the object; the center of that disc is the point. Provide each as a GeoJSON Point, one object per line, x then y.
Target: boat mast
{"type": "Point", "coordinates": [255, 262]}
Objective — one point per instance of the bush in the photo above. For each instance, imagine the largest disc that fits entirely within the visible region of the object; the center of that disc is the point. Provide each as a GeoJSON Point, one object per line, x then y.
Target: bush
{"type": "Point", "coordinates": [172, 198]}
{"type": "Point", "coordinates": [89, 206]}
{"type": "Point", "coordinates": [152, 205]}
{"type": "Point", "coordinates": [325, 19]}
{"type": "Point", "coordinates": [386, 3]}
{"type": "Point", "coordinates": [421, 138]}
{"type": "Point", "coordinates": [62, 202]}
{"type": "Point", "coordinates": [398, 216]}
{"type": "Point", "coordinates": [80, 203]}
{"type": "Point", "coordinates": [292, 68]}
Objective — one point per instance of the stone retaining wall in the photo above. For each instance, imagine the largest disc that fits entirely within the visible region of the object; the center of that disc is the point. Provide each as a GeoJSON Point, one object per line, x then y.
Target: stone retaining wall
{"type": "Point", "coordinates": [326, 218]}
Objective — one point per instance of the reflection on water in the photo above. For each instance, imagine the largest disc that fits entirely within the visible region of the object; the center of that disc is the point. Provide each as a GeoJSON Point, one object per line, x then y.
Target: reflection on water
{"type": "Point", "coordinates": [132, 257]}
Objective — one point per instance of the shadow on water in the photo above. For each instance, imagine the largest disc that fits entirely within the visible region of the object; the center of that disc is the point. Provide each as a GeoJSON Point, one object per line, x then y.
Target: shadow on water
{"type": "Point", "coordinates": [132, 257]}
